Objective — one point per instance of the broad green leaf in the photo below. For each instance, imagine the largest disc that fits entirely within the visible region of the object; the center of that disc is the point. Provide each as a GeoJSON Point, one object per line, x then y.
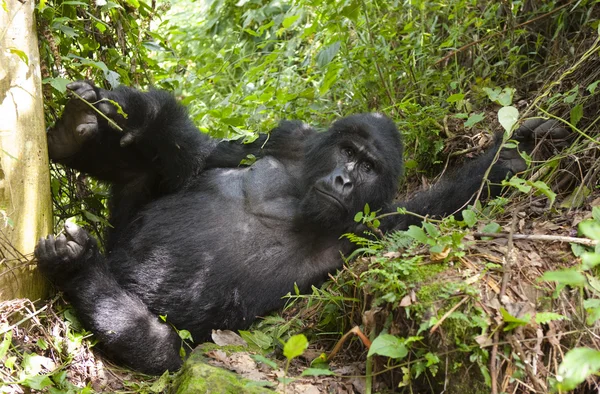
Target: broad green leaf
{"type": "Point", "coordinates": [491, 227]}
{"type": "Point", "coordinates": [578, 364]}
{"type": "Point", "coordinates": [592, 87]}
{"type": "Point", "coordinates": [590, 228]}
{"type": "Point", "coordinates": [358, 217]}
{"type": "Point", "coordinates": [418, 234]}
{"type": "Point", "coordinates": [590, 260]}
{"type": "Point", "coordinates": [545, 190]}
{"type": "Point", "coordinates": [474, 119]}
{"type": "Point", "coordinates": [317, 372]}
{"type": "Point", "coordinates": [58, 83]}
{"type": "Point", "coordinates": [327, 54]}
{"type": "Point", "coordinates": [262, 359]}
{"type": "Point", "coordinates": [295, 346]}
{"type": "Point", "coordinates": [576, 114]}
{"type": "Point", "coordinates": [469, 217]}
{"type": "Point", "coordinates": [569, 277]}
{"type": "Point", "coordinates": [287, 22]}
{"type": "Point", "coordinates": [431, 230]}
{"type": "Point", "coordinates": [389, 346]}
{"type": "Point", "coordinates": [508, 117]}
{"type": "Point", "coordinates": [455, 97]}
{"type": "Point", "coordinates": [37, 382]}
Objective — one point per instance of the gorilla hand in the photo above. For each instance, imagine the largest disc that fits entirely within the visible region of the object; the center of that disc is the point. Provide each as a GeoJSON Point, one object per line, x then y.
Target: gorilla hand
{"type": "Point", "coordinates": [531, 133]}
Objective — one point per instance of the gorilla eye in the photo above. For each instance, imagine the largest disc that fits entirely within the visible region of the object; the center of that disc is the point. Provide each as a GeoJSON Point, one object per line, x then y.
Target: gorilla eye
{"type": "Point", "coordinates": [349, 152]}
{"type": "Point", "coordinates": [367, 166]}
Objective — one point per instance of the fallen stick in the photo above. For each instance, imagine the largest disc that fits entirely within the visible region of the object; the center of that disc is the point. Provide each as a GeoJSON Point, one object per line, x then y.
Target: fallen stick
{"type": "Point", "coordinates": [540, 237]}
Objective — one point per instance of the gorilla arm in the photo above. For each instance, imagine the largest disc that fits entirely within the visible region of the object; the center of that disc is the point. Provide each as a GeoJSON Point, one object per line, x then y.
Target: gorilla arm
{"type": "Point", "coordinates": [158, 142]}
{"type": "Point", "coordinates": [460, 188]}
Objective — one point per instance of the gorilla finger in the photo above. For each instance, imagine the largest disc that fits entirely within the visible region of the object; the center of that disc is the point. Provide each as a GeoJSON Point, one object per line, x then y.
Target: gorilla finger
{"type": "Point", "coordinates": [73, 249]}
{"type": "Point", "coordinates": [61, 245]}
{"type": "Point", "coordinates": [84, 90]}
{"type": "Point", "coordinates": [527, 129]}
{"type": "Point", "coordinates": [546, 127]}
{"type": "Point", "coordinates": [127, 139]}
{"type": "Point", "coordinates": [76, 233]}
{"type": "Point", "coordinates": [107, 108]}
{"type": "Point", "coordinates": [87, 129]}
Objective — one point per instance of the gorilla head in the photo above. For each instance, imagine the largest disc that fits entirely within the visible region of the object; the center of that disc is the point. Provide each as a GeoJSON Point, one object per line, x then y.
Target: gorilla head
{"type": "Point", "coordinates": [357, 161]}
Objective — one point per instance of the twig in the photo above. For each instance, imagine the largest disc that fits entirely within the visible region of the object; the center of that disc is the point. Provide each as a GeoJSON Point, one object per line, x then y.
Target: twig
{"type": "Point", "coordinates": [539, 386]}
{"type": "Point", "coordinates": [469, 45]}
{"type": "Point", "coordinates": [505, 278]}
{"type": "Point", "coordinates": [439, 323]}
{"type": "Point", "coordinates": [540, 237]}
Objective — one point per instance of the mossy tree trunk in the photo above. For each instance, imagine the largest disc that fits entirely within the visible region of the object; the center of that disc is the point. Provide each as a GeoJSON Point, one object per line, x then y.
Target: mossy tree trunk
{"type": "Point", "coordinates": [25, 203]}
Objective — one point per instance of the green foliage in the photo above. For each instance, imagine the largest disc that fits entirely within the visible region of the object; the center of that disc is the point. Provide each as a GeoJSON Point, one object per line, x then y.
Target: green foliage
{"type": "Point", "coordinates": [577, 365]}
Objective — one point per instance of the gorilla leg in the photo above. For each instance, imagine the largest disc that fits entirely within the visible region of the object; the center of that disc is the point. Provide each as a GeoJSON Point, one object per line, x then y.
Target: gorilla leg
{"type": "Point", "coordinates": [127, 331]}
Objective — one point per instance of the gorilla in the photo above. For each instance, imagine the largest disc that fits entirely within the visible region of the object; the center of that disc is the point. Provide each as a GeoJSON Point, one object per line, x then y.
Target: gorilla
{"type": "Point", "coordinates": [210, 244]}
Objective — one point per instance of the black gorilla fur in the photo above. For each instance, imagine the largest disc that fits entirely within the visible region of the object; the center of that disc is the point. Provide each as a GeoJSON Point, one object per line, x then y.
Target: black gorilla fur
{"type": "Point", "coordinates": [212, 245]}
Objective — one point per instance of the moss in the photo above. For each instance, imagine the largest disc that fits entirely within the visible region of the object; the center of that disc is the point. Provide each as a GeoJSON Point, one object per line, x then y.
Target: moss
{"type": "Point", "coordinates": [197, 376]}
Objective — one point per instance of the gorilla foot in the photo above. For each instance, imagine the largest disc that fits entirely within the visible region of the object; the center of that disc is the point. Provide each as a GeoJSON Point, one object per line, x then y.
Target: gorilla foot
{"type": "Point", "coordinates": [61, 257]}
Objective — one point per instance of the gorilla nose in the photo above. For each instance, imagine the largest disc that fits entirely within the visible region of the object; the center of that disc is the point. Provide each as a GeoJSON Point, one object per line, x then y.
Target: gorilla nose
{"type": "Point", "coordinates": [342, 182]}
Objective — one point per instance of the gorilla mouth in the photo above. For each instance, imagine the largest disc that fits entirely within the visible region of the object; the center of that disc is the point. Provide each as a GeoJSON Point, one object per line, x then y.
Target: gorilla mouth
{"type": "Point", "coordinates": [331, 197]}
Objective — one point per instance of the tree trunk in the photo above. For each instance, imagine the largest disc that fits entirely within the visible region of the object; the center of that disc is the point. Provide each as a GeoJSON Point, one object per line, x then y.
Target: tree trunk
{"type": "Point", "coordinates": [25, 203]}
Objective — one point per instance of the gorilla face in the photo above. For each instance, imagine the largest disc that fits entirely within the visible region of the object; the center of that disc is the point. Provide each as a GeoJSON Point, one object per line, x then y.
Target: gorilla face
{"type": "Point", "coordinates": [357, 161]}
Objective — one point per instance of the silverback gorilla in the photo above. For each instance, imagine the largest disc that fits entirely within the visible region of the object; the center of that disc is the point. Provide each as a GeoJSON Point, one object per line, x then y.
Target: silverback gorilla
{"type": "Point", "coordinates": [213, 245]}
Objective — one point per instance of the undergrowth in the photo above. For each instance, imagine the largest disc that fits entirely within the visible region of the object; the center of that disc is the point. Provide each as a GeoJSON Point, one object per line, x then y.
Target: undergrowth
{"type": "Point", "coordinates": [441, 306]}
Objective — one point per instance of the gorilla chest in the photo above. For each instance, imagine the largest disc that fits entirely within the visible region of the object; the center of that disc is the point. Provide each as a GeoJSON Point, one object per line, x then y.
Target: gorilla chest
{"type": "Point", "coordinates": [265, 192]}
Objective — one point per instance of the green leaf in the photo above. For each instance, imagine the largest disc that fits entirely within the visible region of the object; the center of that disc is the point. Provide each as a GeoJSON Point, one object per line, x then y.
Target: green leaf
{"type": "Point", "coordinates": [455, 97]}
{"type": "Point", "coordinates": [418, 234]}
{"type": "Point", "coordinates": [326, 55]}
{"type": "Point", "coordinates": [431, 230]}
{"type": "Point", "coordinates": [545, 190]}
{"type": "Point", "coordinates": [512, 321]}
{"type": "Point", "coordinates": [295, 346]}
{"type": "Point", "coordinates": [287, 22]}
{"type": "Point", "coordinates": [578, 364]}
{"type": "Point", "coordinates": [596, 213]}
{"type": "Point", "coordinates": [474, 119]}
{"type": "Point", "coordinates": [258, 338]}
{"type": "Point", "coordinates": [22, 55]}
{"type": "Point", "coordinates": [358, 217]}
{"type": "Point", "coordinates": [546, 317]}
{"type": "Point", "coordinates": [389, 346]}
{"type": "Point", "coordinates": [508, 117]}
{"type": "Point", "coordinates": [5, 344]}
{"type": "Point", "coordinates": [185, 335]}
{"type": "Point", "coordinates": [576, 114]}
{"type": "Point", "coordinates": [569, 277]}
{"type": "Point", "coordinates": [590, 260]}
{"type": "Point", "coordinates": [592, 87]}
{"type": "Point", "coordinates": [491, 227]}
{"type": "Point", "coordinates": [505, 98]}
{"type": "Point", "coordinates": [317, 372]}
{"type": "Point", "coordinates": [592, 307]}
{"type": "Point", "coordinates": [469, 217]}
{"type": "Point", "coordinates": [262, 359]}
{"type": "Point", "coordinates": [59, 84]}
{"type": "Point", "coordinates": [590, 228]}
{"type": "Point", "coordinates": [37, 382]}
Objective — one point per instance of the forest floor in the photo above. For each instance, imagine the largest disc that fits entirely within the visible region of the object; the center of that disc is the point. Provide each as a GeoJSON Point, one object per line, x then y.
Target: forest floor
{"type": "Point", "coordinates": [50, 351]}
